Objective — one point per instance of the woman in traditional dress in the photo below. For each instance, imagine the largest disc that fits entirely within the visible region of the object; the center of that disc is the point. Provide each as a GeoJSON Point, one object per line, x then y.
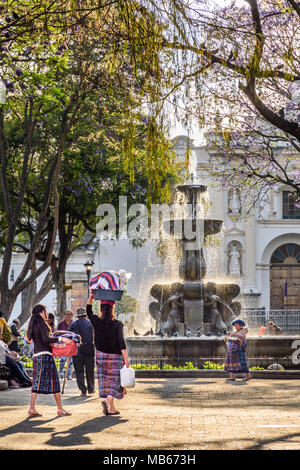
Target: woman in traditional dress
{"type": "Point", "coordinates": [45, 376]}
{"type": "Point", "coordinates": [110, 354]}
{"type": "Point", "coordinates": [235, 362]}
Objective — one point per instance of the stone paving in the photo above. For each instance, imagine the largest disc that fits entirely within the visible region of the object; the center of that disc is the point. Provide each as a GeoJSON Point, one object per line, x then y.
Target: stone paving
{"type": "Point", "coordinates": [161, 414]}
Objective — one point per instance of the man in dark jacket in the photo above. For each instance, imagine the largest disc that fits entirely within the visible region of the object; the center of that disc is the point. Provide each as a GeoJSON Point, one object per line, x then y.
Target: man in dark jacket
{"type": "Point", "coordinates": [16, 334]}
{"type": "Point", "coordinates": [85, 359]}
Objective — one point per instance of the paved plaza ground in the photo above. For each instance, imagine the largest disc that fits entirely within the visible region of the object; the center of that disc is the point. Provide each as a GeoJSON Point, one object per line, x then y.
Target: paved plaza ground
{"type": "Point", "coordinates": [161, 414]}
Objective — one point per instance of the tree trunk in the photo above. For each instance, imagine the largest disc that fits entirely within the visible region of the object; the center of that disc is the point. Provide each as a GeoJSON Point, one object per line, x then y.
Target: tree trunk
{"type": "Point", "coordinates": [34, 299]}
{"type": "Point", "coordinates": [9, 296]}
{"type": "Point", "coordinates": [7, 303]}
{"type": "Point", "coordinates": [61, 295]}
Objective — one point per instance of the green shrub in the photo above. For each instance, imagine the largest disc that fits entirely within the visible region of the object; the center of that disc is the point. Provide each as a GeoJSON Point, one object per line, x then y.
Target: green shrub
{"type": "Point", "coordinates": [213, 365]}
{"type": "Point", "coordinates": [28, 361]}
{"type": "Point", "coordinates": [188, 365]}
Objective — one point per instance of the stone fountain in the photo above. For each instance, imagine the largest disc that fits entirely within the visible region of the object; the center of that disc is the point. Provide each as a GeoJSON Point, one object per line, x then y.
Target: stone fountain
{"type": "Point", "coordinates": [193, 307]}
{"type": "Point", "coordinates": [192, 315]}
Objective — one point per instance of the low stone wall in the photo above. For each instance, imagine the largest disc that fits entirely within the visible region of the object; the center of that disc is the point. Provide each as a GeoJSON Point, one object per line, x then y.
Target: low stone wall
{"type": "Point", "coordinates": [269, 346]}
{"type": "Point", "coordinates": [215, 374]}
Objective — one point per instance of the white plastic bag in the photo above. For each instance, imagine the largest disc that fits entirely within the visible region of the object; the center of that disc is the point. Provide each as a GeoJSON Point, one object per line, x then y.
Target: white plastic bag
{"type": "Point", "coordinates": [127, 377]}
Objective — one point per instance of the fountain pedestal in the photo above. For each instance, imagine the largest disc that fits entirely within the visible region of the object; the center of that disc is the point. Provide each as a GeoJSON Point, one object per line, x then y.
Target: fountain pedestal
{"type": "Point", "coordinates": [193, 316]}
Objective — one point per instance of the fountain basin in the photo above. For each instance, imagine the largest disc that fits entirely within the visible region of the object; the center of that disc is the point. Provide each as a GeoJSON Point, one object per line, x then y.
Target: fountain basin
{"type": "Point", "coordinates": [211, 226]}
{"type": "Point", "coordinates": [276, 347]}
{"type": "Point", "coordinates": [191, 189]}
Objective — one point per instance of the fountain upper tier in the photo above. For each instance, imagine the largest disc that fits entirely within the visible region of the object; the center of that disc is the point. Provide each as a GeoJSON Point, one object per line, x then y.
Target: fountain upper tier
{"type": "Point", "coordinates": [191, 188]}
{"type": "Point", "coordinates": [210, 226]}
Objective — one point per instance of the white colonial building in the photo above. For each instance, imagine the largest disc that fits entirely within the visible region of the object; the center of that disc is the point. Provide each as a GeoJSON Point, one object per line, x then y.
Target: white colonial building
{"type": "Point", "coordinates": [260, 253]}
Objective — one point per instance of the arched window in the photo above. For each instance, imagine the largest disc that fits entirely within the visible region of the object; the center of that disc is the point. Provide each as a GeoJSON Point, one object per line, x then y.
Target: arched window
{"type": "Point", "coordinates": [288, 253]}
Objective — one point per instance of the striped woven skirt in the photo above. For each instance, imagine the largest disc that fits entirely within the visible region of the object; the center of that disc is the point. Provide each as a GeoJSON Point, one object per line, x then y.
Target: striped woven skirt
{"type": "Point", "coordinates": [45, 376]}
{"type": "Point", "coordinates": [108, 373]}
{"type": "Point", "coordinates": [236, 362]}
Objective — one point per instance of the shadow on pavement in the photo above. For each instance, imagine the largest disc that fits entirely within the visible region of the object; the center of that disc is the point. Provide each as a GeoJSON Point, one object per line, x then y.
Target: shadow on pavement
{"type": "Point", "coordinates": [77, 435]}
{"type": "Point", "coordinates": [166, 381]}
{"type": "Point", "coordinates": [286, 439]}
{"type": "Point", "coordinates": [28, 425]}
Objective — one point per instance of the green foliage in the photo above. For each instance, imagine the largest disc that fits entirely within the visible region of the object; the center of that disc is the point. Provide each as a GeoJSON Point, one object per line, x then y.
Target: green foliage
{"type": "Point", "coordinates": [127, 305]}
{"type": "Point", "coordinates": [145, 366]}
{"type": "Point", "coordinates": [187, 366]}
{"type": "Point", "coordinates": [27, 361]}
{"type": "Point", "coordinates": [77, 80]}
{"type": "Point", "coordinates": [213, 365]}
{"type": "Point", "coordinates": [212, 241]}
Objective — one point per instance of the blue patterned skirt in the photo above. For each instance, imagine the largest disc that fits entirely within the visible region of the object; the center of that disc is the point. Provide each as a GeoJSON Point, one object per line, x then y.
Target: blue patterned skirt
{"type": "Point", "coordinates": [45, 376]}
{"type": "Point", "coordinates": [108, 373]}
{"type": "Point", "coordinates": [236, 362]}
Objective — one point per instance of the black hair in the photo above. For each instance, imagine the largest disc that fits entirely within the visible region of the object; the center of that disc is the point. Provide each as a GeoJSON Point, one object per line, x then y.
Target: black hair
{"type": "Point", "coordinates": [107, 313]}
{"type": "Point", "coordinates": [35, 319]}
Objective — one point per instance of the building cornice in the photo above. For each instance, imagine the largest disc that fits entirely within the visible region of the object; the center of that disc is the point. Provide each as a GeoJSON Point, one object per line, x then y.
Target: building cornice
{"type": "Point", "coordinates": [285, 222]}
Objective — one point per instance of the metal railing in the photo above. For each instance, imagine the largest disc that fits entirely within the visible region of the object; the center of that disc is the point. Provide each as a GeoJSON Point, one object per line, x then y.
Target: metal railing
{"type": "Point", "coordinates": [287, 320]}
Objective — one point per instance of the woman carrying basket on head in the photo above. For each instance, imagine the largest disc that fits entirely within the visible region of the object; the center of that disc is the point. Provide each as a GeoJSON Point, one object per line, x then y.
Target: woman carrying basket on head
{"type": "Point", "coordinates": [45, 376]}
{"type": "Point", "coordinates": [236, 351]}
{"type": "Point", "coordinates": [110, 354]}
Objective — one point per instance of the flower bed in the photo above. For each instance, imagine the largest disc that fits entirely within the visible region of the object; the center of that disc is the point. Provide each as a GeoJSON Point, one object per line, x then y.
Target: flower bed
{"type": "Point", "coordinates": [140, 366]}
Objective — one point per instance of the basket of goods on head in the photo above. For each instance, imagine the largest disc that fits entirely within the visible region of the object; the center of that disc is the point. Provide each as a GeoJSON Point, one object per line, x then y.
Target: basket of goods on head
{"type": "Point", "coordinates": [62, 349]}
{"type": "Point", "coordinates": [109, 285]}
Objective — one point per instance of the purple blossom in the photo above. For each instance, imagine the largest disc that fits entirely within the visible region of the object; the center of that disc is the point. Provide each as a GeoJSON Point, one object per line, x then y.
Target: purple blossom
{"type": "Point", "coordinates": [9, 85]}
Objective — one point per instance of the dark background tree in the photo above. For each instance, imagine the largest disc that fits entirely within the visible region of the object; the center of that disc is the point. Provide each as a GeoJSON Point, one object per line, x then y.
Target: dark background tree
{"type": "Point", "coordinates": [232, 76]}
{"type": "Point", "coordinates": [58, 107]}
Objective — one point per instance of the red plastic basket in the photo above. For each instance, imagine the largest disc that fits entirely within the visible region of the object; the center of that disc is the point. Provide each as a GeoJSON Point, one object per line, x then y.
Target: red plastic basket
{"type": "Point", "coordinates": [63, 349]}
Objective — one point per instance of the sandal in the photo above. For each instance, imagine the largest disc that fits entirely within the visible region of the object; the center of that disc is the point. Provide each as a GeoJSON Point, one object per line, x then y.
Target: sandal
{"type": "Point", "coordinates": [63, 413]}
{"type": "Point", "coordinates": [105, 409]}
{"type": "Point", "coordinates": [115, 413]}
{"type": "Point", "coordinates": [32, 413]}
